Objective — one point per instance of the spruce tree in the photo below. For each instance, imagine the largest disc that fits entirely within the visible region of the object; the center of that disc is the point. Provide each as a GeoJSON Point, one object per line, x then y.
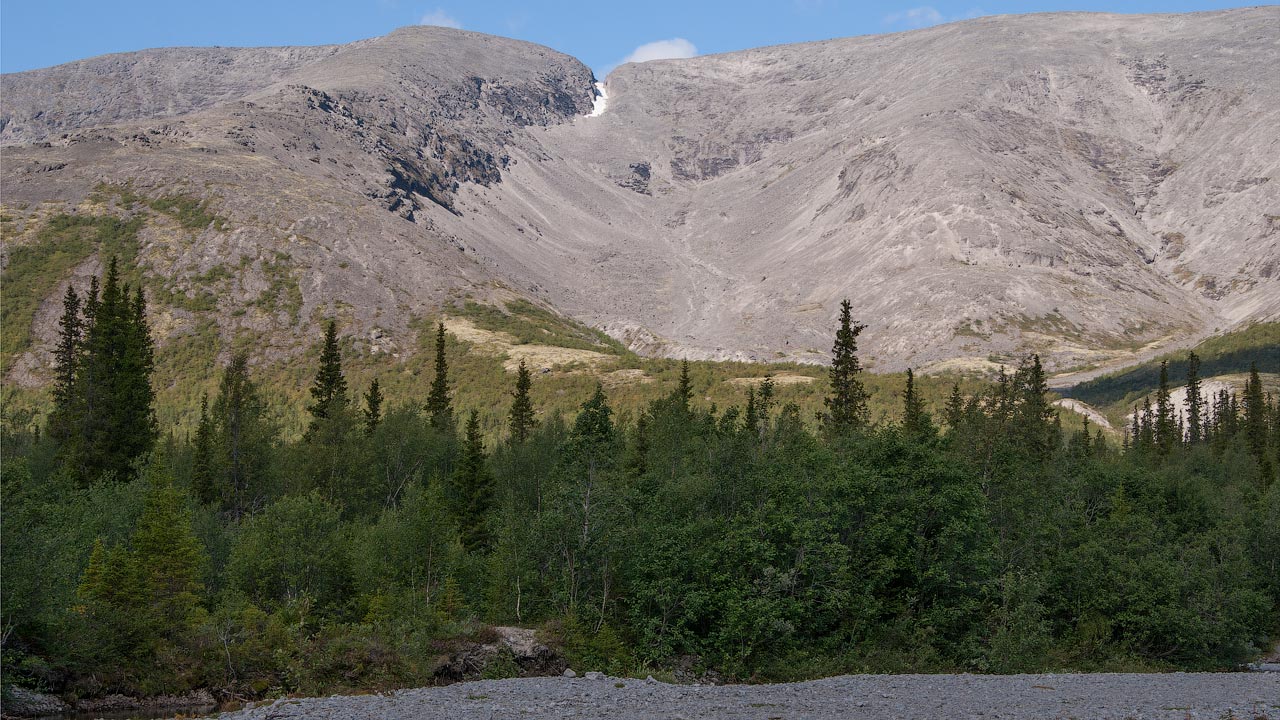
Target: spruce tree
{"type": "Point", "coordinates": [520, 418]}
{"type": "Point", "coordinates": [439, 406]}
{"type": "Point", "coordinates": [1194, 401]}
{"type": "Point", "coordinates": [92, 300]}
{"type": "Point", "coordinates": [136, 396]}
{"type": "Point", "coordinates": [915, 419]}
{"type": "Point", "coordinates": [592, 444]}
{"type": "Point", "coordinates": [202, 468]}
{"type": "Point", "coordinates": [767, 389]}
{"type": "Point", "coordinates": [372, 407]}
{"type": "Point", "coordinates": [1165, 425]}
{"type": "Point", "coordinates": [1255, 413]}
{"type": "Point", "coordinates": [116, 422]}
{"type": "Point", "coordinates": [111, 597]}
{"type": "Point", "coordinates": [593, 423]}
{"type": "Point", "coordinates": [953, 413]}
{"type": "Point", "coordinates": [330, 387]}
{"type": "Point", "coordinates": [133, 597]}
{"type": "Point", "coordinates": [1035, 420]}
{"type": "Point", "coordinates": [243, 437]}
{"type": "Point", "coordinates": [1226, 416]}
{"type": "Point", "coordinates": [847, 404]}
{"type": "Point", "coordinates": [66, 357]}
{"type": "Point", "coordinates": [473, 488]}
{"type": "Point", "coordinates": [684, 391]}
{"type": "Point", "coordinates": [1147, 430]}
{"type": "Point", "coordinates": [167, 552]}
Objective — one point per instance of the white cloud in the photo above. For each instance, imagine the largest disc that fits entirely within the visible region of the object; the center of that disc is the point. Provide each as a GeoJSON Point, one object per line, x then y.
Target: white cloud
{"type": "Point", "coordinates": [662, 50]}
{"type": "Point", "coordinates": [440, 18]}
{"type": "Point", "coordinates": [915, 17]}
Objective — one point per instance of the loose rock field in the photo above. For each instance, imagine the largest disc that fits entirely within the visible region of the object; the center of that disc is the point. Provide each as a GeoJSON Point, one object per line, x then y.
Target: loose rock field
{"type": "Point", "coordinates": [1244, 696]}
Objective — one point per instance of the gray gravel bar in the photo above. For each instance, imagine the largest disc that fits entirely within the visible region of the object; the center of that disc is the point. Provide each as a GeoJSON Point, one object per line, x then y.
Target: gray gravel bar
{"type": "Point", "coordinates": [1245, 696]}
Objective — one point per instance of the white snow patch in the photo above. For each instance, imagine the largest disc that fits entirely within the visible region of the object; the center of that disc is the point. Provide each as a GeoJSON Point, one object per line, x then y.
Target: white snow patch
{"type": "Point", "coordinates": [602, 99]}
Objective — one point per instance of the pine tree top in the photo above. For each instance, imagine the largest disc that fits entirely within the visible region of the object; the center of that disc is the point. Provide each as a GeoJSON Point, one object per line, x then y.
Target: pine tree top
{"type": "Point", "coordinates": [439, 404]}
{"type": "Point", "coordinates": [330, 387]}
{"type": "Point", "coordinates": [847, 403]}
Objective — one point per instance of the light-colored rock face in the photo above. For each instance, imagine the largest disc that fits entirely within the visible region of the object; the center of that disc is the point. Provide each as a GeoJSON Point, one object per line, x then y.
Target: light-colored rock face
{"type": "Point", "coordinates": [43, 104]}
{"type": "Point", "coordinates": [1066, 183]}
{"type": "Point", "coordinates": [1074, 184]}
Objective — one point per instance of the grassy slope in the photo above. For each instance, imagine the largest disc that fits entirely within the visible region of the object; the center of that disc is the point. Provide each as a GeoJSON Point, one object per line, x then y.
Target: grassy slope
{"type": "Point", "coordinates": [481, 380]}
{"type": "Point", "coordinates": [186, 366]}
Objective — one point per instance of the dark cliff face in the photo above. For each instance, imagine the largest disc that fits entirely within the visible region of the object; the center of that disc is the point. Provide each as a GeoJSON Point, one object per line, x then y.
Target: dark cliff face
{"type": "Point", "coordinates": [438, 108]}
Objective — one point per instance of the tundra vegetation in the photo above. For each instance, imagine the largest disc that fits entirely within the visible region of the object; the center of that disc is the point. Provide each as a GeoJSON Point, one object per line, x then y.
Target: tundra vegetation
{"type": "Point", "coordinates": [755, 540]}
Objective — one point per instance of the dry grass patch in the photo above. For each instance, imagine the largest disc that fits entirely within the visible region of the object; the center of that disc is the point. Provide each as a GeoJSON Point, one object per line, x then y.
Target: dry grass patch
{"type": "Point", "coordinates": [535, 356]}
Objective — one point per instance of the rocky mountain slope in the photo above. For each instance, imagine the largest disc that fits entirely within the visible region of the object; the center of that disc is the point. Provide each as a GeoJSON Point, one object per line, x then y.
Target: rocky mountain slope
{"type": "Point", "coordinates": [1081, 185]}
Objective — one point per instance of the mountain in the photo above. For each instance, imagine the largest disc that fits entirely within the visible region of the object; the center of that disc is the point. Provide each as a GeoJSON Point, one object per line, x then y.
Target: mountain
{"type": "Point", "coordinates": [1087, 186]}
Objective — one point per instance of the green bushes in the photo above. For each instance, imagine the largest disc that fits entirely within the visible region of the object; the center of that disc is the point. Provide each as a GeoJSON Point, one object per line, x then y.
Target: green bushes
{"type": "Point", "coordinates": [34, 270]}
{"type": "Point", "coordinates": [293, 550]}
{"type": "Point", "coordinates": [673, 536]}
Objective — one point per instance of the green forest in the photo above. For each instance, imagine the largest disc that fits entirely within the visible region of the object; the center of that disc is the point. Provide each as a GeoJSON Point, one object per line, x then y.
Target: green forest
{"type": "Point", "coordinates": [749, 540]}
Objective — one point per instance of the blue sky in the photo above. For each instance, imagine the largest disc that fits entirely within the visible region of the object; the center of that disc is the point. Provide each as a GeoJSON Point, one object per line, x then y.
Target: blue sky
{"type": "Point", "coordinates": [39, 33]}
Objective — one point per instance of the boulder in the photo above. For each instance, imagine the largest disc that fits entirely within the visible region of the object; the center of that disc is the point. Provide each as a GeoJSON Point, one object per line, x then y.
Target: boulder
{"type": "Point", "coordinates": [518, 646]}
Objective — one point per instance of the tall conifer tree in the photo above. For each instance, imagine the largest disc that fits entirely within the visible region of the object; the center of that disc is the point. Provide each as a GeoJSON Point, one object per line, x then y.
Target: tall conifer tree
{"type": "Point", "coordinates": [684, 391]}
{"type": "Point", "coordinates": [520, 418]}
{"type": "Point", "coordinates": [1165, 424]}
{"type": "Point", "coordinates": [953, 413]}
{"type": "Point", "coordinates": [847, 403]}
{"type": "Point", "coordinates": [115, 422]}
{"type": "Point", "coordinates": [765, 404]}
{"type": "Point", "coordinates": [66, 357]}
{"type": "Point", "coordinates": [1147, 431]}
{"type": "Point", "coordinates": [473, 488]}
{"type": "Point", "coordinates": [372, 407]}
{"type": "Point", "coordinates": [1035, 421]}
{"type": "Point", "coordinates": [202, 466]}
{"type": "Point", "coordinates": [439, 406]}
{"type": "Point", "coordinates": [244, 436]}
{"type": "Point", "coordinates": [915, 419]}
{"type": "Point", "coordinates": [1255, 412]}
{"type": "Point", "coordinates": [330, 387]}
{"type": "Point", "coordinates": [1194, 401]}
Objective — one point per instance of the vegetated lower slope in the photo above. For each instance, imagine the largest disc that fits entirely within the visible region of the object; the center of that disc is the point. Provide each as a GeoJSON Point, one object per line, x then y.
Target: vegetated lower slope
{"type": "Point", "coordinates": [1233, 353]}
{"type": "Point", "coordinates": [485, 343]}
{"type": "Point", "coordinates": [1074, 184]}
{"type": "Point", "coordinates": [723, 542]}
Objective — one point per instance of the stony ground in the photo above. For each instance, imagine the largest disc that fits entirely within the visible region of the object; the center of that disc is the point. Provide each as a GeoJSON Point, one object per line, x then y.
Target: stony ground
{"type": "Point", "coordinates": [1244, 696]}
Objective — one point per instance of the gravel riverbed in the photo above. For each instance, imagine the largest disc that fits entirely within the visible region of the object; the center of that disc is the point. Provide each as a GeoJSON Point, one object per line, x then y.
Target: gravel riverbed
{"type": "Point", "coordinates": [1244, 696]}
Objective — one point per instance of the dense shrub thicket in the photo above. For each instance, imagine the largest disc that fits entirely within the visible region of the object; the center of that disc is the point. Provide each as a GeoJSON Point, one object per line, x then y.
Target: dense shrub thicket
{"type": "Point", "coordinates": [749, 540]}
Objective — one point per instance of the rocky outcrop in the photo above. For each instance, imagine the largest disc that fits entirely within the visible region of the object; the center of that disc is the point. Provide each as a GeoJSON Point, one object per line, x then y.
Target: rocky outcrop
{"type": "Point", "coordinates": [512, 652]}
{"type": "Point", "coordinates": [20, 702]}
